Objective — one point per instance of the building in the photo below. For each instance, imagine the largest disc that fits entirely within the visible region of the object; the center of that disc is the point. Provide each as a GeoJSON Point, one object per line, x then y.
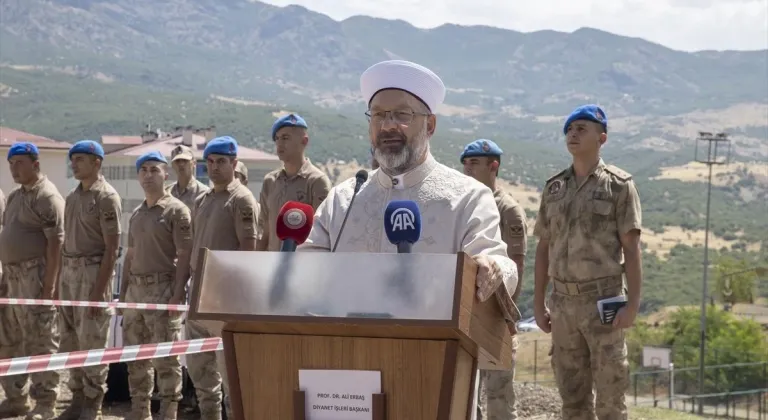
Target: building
{"type": "Point", "coordinates": [122, 151]}
{"type": "Point", "coordinates": [53, 159]}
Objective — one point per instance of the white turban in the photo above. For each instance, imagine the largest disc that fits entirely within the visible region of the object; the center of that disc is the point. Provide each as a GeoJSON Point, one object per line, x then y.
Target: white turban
{"type": "Point", "coordinates": [404, 75]}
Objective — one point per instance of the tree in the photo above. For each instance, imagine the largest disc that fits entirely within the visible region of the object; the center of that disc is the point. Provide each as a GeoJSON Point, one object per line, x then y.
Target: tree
{"type": "Point", "coordinates": [735, 280]}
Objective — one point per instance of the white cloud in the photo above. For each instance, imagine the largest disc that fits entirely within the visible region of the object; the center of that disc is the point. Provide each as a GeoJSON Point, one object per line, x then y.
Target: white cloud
{"type": "Point", "coordinates": [688, 25]}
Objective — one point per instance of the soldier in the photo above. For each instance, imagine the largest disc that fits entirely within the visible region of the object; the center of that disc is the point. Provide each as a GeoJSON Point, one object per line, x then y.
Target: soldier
{"type": "Point", "coordinates": [187, 187]}
{"type": "Point", "coordinates": [241, 172]}
{"type": "Point", "coordinates": [159, 233]}
{"type": "Point", "coordinates": [92, 226]}
{"type": "Point", "coordinates": [223, 218]}
{"type": "Point", "coordinates": [588, 225]}
{"type": "Point", "coordinates": [481, 160]}
{"type": "Point", "coordinates": [30, 251]}
{"type": "Point", "coordinates": [298, 179]}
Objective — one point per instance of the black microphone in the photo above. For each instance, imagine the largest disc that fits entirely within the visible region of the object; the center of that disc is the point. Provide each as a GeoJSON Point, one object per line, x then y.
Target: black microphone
{"type": "Point", "coordinates": [360, 177]}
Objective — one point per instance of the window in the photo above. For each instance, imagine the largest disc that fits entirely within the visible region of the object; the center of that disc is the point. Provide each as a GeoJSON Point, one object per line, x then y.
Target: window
{"type": "Point", "coordinates": [119, 173]}
{"type": "Point", "coordinates": [201, 172]}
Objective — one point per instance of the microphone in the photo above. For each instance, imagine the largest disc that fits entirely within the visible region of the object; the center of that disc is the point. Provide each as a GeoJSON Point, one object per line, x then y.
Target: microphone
{"type": "Point", "coordinates": [360, 177]}
{"type": "Point", "coordinates": [294, 222]}
{"type": "Point", "coordinates": [402, 223]}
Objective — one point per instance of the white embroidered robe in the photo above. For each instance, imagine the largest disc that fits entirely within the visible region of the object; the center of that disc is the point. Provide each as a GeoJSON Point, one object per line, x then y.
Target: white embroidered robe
{"type": "Point", "coordinates": [458, 213]}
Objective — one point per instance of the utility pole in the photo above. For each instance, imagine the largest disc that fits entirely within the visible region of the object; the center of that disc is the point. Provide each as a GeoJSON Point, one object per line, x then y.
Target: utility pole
{"type": "Point", "coordinates": [713, 146]}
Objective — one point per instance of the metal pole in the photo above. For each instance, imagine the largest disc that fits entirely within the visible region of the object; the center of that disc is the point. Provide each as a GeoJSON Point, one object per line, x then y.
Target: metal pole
{"type": "Point", "coordinates": [671, 384]}
{"type": "Point", "coordinates": [703, 323]}
{"type": "Point", "coordinates": [713, 143]}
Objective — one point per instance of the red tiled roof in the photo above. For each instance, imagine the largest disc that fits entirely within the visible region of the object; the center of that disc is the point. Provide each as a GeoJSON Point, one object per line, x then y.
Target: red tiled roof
{"type": "Point", "coordinates": [165, 146]}
{"type": "Point", "coordinates": [8, 136]}
{"type": "Point", "coordinates": [126, 140]}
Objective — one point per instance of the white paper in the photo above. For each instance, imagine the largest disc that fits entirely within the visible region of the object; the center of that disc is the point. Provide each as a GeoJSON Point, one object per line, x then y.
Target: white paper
{"type": "Point", "coordinates": [339, 394]}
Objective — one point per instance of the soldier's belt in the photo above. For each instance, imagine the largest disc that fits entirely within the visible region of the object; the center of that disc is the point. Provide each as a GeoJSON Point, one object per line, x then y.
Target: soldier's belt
{"type": "Point", "coordinates": [25, 265]}
{"type": "Point", "coordinates": [147, 279]}
{"type": "Point", "coordinates": [590, 287]}
{"type": "Point", "coordinates": [72, 261]}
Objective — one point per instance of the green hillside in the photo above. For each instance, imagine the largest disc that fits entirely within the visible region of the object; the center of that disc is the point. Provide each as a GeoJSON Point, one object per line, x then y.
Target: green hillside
{"type": "Point", "coordinates": [70, 108]}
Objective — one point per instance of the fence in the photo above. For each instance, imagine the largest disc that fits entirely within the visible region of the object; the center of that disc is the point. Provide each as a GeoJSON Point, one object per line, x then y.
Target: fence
{"type": "Point", "coordinates": [736, 390]}
{"type": "Point", "coordinates": [752, 404]}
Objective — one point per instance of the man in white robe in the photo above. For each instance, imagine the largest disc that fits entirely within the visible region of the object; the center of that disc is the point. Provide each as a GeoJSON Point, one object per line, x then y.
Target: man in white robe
{"type": "Point", "coordinates": [458, 213]}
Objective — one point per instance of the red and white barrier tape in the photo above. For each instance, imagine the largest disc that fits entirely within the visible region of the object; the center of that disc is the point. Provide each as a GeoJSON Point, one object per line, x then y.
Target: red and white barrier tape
{"type": "Point", "coordinates": [115, 304]}
{"type": "Point", "coordinates": [84, 358]}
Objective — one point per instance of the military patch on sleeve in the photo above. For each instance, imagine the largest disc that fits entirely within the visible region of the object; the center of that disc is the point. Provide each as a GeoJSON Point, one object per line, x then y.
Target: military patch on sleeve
{"type": "Point", "coordinates": [246, 215]}
{"type": "Point", "coordinates": [109, 216]}
{"type": "Point", "coordinates": [516, 230]}
{"type": "Point", "coordinates": [555, 187]}
{"type": "Point", "coordinates": [184, 225]}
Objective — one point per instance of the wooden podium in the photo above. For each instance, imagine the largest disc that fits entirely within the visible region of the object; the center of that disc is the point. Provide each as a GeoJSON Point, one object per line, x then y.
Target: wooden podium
{"type": "Point", "coordinates": [413, 317]}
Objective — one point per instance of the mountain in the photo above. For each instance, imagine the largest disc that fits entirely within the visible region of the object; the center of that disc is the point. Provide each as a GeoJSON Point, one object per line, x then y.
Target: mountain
{"type": "Point", "coordinates": [72, 69]}
{"type": "Point", "coordinates": [290, 53]}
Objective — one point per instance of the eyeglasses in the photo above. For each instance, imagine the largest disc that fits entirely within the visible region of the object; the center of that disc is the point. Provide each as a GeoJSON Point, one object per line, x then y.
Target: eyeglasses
{"type": "Point", "coordinates": [400, 117]}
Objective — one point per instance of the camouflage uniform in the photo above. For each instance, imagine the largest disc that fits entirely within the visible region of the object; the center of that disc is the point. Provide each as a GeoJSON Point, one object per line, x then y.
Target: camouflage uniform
{"type": "Point", "coordinates": [583, 221]}
{"type": "Point", "coordinates": [496, 399]}
{"type": "Point", "coordinates": [33, 217]}
{"type": "Point", "coordinates": [155, 235]}
{"type": "Point", "coordinates": [220, 221]}
{"type": "Point", "coordinates": [310, 186]}
{"type": "Point", "coordinates": [89, 216]}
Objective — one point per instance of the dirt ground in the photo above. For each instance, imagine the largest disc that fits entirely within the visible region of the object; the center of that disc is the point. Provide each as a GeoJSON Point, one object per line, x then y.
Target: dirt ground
{"type": "Point", "coordinates": [111, 411]}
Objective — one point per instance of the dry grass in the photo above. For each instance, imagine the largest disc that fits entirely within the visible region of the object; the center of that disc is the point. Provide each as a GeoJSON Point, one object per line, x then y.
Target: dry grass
{"type": "Point", "coordinates": [722, 175]}
{"type": "Point", "coordinates": [239, 101]}
{"type": "Point", "coordinates": [642, 413]}
{"type": "Point", "coordinates": [533, 360]}
{"type": "Point", "coordinates": [661, 243]}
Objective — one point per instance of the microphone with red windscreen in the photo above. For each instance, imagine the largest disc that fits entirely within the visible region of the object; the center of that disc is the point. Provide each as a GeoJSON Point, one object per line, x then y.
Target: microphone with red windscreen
{"type": "Point", "coordinates": [294, 222]}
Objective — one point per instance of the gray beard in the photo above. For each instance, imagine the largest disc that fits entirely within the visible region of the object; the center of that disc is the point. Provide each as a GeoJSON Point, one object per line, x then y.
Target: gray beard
{"type": "Point", "coordinates": [402, 161]}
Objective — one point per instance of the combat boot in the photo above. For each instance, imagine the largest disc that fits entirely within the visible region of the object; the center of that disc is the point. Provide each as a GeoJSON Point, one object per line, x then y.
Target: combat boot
{"type": "Point", "coordinates": [214, 414]}
{"type": "Point", "coordinates": [14, 407]}
{"type": "Point", "coordinates": [140, 410]}
{"type": "Point", "coordinates": [168, 410]}
{"type": "Point", "coordinates": [75, 408]}
{"type": "Point", "coordinates": [92, 408]}
{"type": "Point", "coordinates": [44, 410]}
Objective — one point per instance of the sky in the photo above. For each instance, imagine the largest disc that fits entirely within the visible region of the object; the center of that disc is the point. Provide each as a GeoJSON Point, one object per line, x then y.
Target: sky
{"type": "Point", "coordinates": [687, 25]}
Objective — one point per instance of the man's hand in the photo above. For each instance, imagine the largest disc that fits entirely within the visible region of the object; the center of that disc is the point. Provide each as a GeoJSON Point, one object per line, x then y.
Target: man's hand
{"type": "Point", "coordinates": [95, 297]}
{"type": "Point", "coordinates": [625, 317]}
{"type": "Point", "coordinates": [488, 277]}
{"type": "Point", "coordinates": [48, 293]}
{"type": "Point", "coordinates": [541, 313]}
{"type": "Point", "coordinates": [176, 299]}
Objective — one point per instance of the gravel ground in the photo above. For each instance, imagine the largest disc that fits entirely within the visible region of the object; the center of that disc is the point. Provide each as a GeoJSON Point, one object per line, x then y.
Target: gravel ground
{"type": "Point", "coordinates": [116, 411]}
{"type": "Point", "coordinates": [535, 402]}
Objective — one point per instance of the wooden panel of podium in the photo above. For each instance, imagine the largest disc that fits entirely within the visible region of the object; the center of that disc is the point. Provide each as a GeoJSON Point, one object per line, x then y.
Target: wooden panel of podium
{"type": "Point", "coordinates": [413, 317]}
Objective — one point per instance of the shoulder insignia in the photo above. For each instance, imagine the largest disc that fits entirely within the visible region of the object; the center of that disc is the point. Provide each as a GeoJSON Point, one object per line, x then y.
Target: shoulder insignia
{"type": "Point", "coordinates": [618, 172]}
{"type": "Point", "coordinates": [556, 175]}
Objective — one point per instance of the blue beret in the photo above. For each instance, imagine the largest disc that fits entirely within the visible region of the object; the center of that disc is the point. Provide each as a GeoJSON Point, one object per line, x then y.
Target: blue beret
{"type": "Point", "coordinates": [481, 147]}
{"type": "Point", "coordinates": [587, 112]}
{"type": "Point", "coordinates": [150, 156]}
{"type": "Point", "coordinates": [224, 145]}
{"type": "Point", "coordinates": [290, 120]}
{"type": "Point", "coordinates": [88, 147]}
{"type": "Point", "coordinates": [22, 148]}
